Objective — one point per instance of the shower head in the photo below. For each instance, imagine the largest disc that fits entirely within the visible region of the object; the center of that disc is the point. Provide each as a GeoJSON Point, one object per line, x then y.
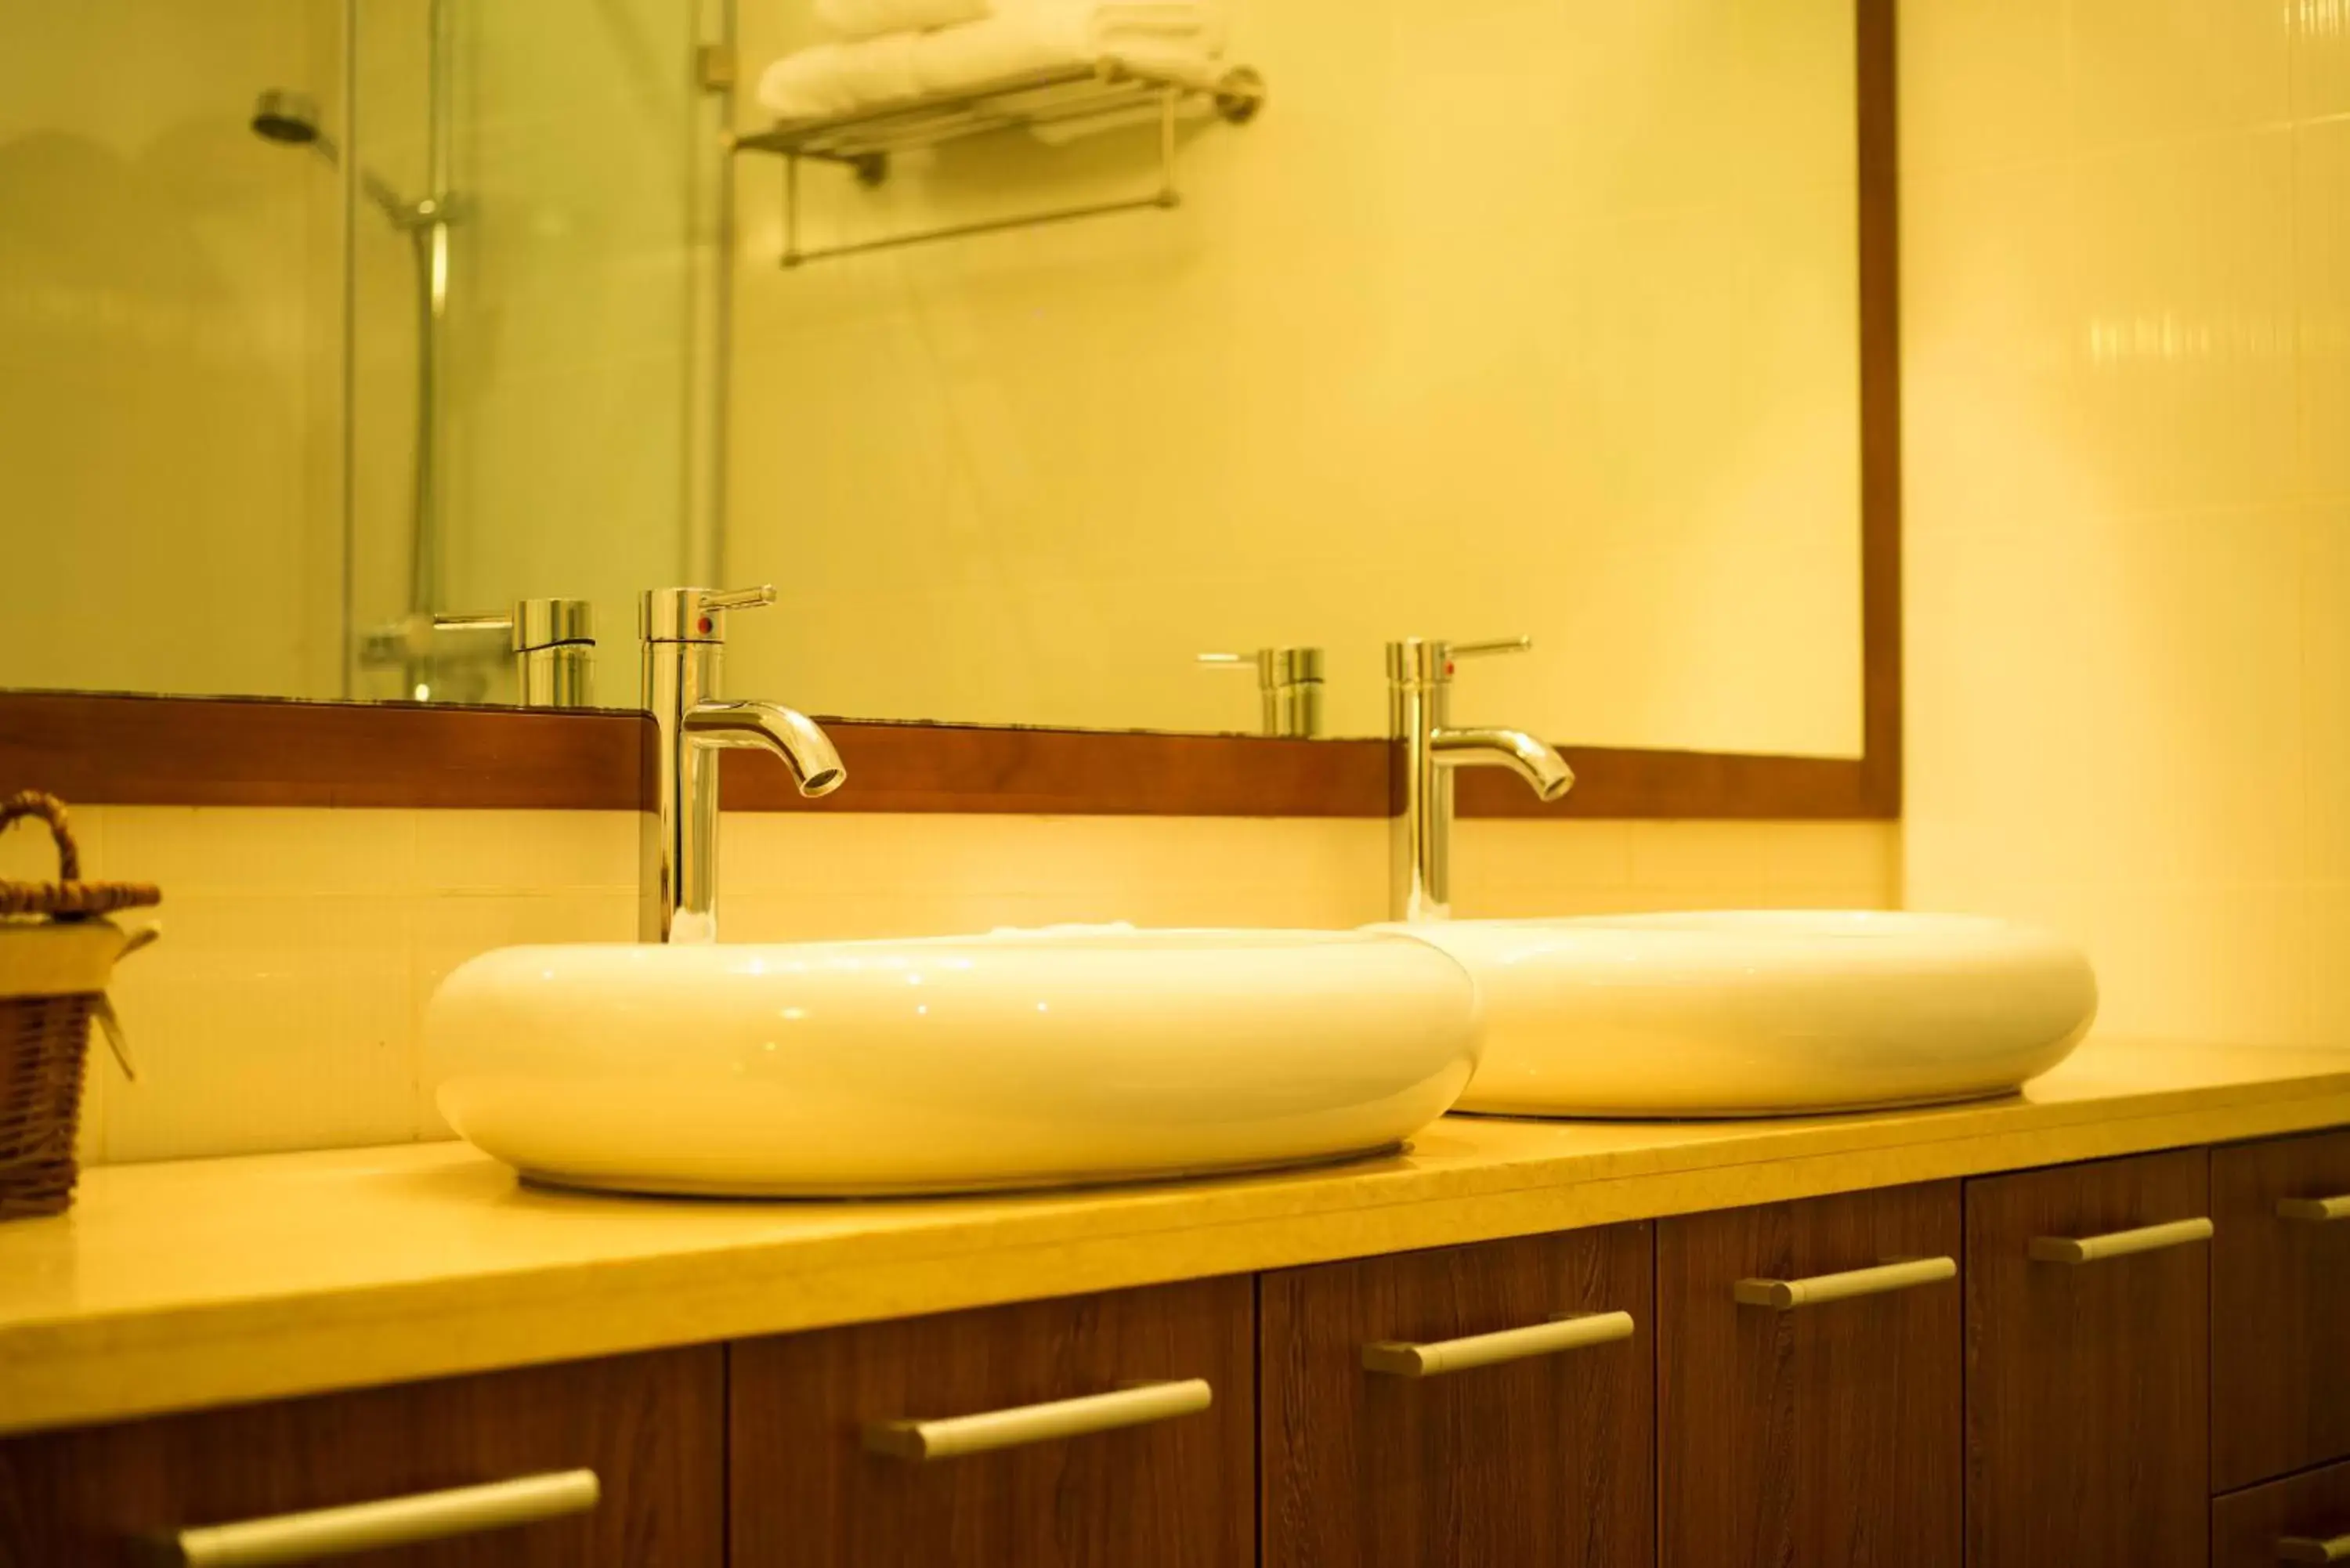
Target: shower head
{"type": "Point", "coordinates": [288, 117]}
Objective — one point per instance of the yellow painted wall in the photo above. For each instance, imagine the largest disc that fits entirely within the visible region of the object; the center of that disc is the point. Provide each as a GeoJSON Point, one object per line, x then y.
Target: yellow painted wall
{"type": "Point", "coordinates": [1508, 316]}
{"type": "Point", "coordinates": [2127, 333]}
{"type": "Point", "coordinates": [169, 326]}
{"type": "Point", "coordinates": [281, 1009]}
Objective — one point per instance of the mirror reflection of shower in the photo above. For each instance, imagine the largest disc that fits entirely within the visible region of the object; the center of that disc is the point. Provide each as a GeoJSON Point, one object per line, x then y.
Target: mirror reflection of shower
{"type": "Point", "coordinates": [290, 119]}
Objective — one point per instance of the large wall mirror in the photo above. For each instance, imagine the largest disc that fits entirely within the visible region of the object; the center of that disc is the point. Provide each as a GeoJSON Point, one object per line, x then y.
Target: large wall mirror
{"type": "Point", "coordinates": [317, 317]}
{"type": "Point", "coordinates": [1558, 317]}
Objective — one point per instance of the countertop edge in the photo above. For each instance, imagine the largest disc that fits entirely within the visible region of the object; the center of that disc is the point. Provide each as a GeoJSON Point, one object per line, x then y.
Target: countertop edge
{"type": "Point", "coordinates": [94, 1368]}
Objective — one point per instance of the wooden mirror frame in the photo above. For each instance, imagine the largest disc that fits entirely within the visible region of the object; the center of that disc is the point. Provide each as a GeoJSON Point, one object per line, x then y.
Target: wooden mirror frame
{"type": "Point", "coordinates": [202, 751]}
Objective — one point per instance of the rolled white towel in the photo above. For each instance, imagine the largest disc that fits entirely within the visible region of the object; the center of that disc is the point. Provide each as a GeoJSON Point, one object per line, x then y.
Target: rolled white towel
{"type": "Point", "coordinates": [836, 78]}
{"type": "Point", "coordinates": [855, 19]}
{"type": "Point", "coordinates": [1202, 21]}
{"type": "Point", "coordinates": [955, 58]}
{"type": "Point", "coordinates": [1180, 38]}
{"type": "Point", "coordinates": [1103, 25]}
{"type": "Point", "coordinates": [1183, 37]}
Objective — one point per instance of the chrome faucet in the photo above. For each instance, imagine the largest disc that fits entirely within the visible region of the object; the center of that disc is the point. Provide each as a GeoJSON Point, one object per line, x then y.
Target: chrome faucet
{"type": "Point", "coordinates": [1288, 685]}
{"type": "Point", "coordinates": [685, 635]}
{"type": "Point", "coordinates": [1420, 701]}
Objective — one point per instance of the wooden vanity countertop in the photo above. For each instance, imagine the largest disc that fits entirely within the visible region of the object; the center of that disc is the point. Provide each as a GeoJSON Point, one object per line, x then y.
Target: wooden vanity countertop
{"type": "Point", "coordinates": [174, 1286]}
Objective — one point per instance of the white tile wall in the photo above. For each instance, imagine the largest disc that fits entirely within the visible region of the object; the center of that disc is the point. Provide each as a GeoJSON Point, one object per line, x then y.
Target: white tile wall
{"type": "Point", "coordinates": [282, 1009]}
{"type": "Point", "coordinates": [2127, 367]}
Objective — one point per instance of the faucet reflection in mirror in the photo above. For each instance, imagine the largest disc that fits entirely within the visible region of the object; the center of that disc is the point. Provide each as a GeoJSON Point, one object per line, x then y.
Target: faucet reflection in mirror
{"type": "Point", "coordinates": [550, 642]}
{"type": "Point", "coordinates": [684, 638]}
{"type": "Point", "coordinates": [1419, 711]}
{"type": "Point", "coordinates": [1288, 684]}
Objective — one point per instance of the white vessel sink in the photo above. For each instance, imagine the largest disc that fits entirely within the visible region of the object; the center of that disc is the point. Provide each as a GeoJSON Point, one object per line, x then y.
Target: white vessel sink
{"type": "Point", "coordinates": [1763, 1014]}
{"type": "Point", "coordinates": [1020, 1059]}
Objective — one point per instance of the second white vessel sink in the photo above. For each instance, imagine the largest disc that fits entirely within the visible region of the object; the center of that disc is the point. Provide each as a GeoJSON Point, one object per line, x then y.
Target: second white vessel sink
{"type": "Point", "coordinates": [1763, 1012]}
{"type": "Point", "coordinates": [1020, 1059]}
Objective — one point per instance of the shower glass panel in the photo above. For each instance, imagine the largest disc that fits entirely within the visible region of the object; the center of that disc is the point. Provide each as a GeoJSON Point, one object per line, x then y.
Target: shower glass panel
{"type": "Point", "coordinates": [526, 359]}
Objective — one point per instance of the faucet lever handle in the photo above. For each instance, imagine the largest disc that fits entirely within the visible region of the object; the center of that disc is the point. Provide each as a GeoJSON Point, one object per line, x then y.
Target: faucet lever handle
{"type": "Point", "coordinates": [1269, 663]}
{"type": "Point", "coordinates": [712, 599]}
{"type": "Point", "coordinates": [695, 615]}
{"type": "Point", "coordinates": [1483, 650]}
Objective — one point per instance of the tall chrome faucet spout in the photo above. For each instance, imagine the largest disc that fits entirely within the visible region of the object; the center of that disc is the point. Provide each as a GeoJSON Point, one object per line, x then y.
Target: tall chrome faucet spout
{"type": "Point", "coordinates": [1537, 763]}
{"type": "Point", "coordinates": [1429, 746]}
{"type": "Point", "coordinates": [685, 634]}
{"type": "Point", "coordinates": [781, 732]}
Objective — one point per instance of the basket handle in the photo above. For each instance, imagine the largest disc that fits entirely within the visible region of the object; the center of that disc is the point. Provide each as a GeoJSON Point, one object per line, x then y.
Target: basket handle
{"type": "Point", "coordinates": [51, 810]}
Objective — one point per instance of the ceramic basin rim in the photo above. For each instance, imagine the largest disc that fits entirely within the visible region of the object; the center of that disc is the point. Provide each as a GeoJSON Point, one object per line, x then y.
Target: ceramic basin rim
{"type": "Point", "coordinates": [1027, 1059]}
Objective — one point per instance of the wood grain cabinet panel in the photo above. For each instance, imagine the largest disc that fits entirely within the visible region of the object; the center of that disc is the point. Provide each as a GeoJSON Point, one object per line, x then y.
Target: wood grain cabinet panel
{"type": "Point", "coordinates": [806, 1491]}
{"type": "Point", "coordinates": [2089, 1384]}
{"type": "Point", "coordinates": [2280, 1307]}
{"type": "Point", "coordinates": [650, 1426]}
{"type": "Point", "coordinates": [1536, 1456]}
{"type": "Point", "coordinates": [1823, 1433]}
{"type": "Point", "coordinates": [2298, 1519]}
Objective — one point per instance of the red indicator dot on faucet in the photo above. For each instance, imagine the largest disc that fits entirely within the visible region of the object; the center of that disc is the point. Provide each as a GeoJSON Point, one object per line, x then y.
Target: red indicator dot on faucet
{"type": "Point", "coordinates": [705, 623]}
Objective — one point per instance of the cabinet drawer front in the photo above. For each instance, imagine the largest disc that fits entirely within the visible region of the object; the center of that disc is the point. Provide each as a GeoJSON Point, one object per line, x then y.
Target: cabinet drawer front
{"type": "Point", "coordinates": [1109, 1431]}
{"type": "Point", "coordinates": [471, 1471]}
{"type": "Point", "coordinates": [2280, 1308]}
{"type": "Point", "coordinates": [2299, 1520]}
{"type": "Point", "coordinates": [2088, 1383]}
{"type": "Point", "coordinates": [1482, 1406]}
{"type": "Point", "coordinates": [1808, 1387]}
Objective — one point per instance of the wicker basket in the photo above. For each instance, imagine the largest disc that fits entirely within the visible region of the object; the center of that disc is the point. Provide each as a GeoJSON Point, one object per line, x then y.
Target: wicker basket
{"type": "Point", "coordinates": [56, 956]}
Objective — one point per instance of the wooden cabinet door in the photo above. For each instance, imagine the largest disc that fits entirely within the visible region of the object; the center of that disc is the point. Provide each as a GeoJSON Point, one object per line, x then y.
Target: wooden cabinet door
{"type": "Point", "coordinates": [1479, 1430]}
{"type": "Point", "coordinates": [1804, 1425]}
{"type": "Point", "coordinates": [828, 1469]}
{"type": "Point", "coordinates": [2303, 1518]}
{"type": "Point", "coordinates": [2280, 1307]}
{"type": "Point", "coordinates": [649, 1428]}
{"type": "Point", "coordinates": [2089, 1384]}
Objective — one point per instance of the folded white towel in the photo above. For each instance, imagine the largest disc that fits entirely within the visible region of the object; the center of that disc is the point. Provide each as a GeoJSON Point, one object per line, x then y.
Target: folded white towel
{"type": "Point", "coordinates": [868, 18]}
{"type": "Point", "coordinates": [835, 78]}
{"type": "Point", "coordinates": [1180, 38]}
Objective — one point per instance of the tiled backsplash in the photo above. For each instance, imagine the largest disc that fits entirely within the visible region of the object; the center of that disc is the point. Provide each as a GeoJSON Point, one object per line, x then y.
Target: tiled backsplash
{"type": "Point", "coordinates": [282, 1008]}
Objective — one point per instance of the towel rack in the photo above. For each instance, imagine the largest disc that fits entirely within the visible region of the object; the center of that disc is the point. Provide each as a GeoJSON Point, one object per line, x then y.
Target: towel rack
{"type": "Point", "coordinates": [866, 139]}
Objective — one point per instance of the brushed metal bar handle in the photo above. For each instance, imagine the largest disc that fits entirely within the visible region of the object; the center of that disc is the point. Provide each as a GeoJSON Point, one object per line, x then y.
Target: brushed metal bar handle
{"type": "Point", "coordinates": [1568, 1330]}
{"type": "Point", "coordinates": [958, 1435]}
{"type": "Point", "coordinates": [368, 1526]}
{"type": "Point", "coordinates": [2320, 1209]}
{"type": "Point", "coordinates": [2117, 1243]}
{"type": "Point", "coordinates": [2309, 1549]}
{"type": "Point", "coordinates": [1785, 1296]}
